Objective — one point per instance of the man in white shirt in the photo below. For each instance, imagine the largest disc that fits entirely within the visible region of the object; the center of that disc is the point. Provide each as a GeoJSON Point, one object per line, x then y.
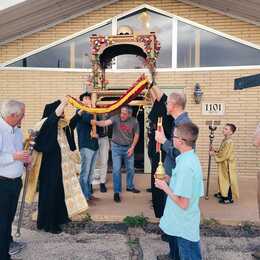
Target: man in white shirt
{"type": "Point", "coordinates": [12, 159]}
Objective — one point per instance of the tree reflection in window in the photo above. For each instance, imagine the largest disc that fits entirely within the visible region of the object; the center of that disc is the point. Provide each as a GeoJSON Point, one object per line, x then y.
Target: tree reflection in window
{"type": "Point", "coordinates": [74, 53]}
{"type": "Point", "coordinates": [143, 22]}
{"type": "Point", "coordinates": [200, 48]}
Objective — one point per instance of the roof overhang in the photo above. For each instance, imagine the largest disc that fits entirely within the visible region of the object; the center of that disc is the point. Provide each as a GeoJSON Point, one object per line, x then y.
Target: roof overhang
{"type": "Point", "coordinates": [36, 15]}
{"type": "Point", "coordinates": [244, 10]}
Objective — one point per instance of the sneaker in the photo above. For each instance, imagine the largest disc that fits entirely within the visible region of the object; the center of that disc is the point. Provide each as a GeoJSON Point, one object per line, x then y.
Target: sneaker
{"type": "Point", "coordinates": [103, 187]}
{"type": "Point", "coordinates": [225, 201]}
{"type": "Point", "coordinates": [117, 197]}
{"type": "Point", "coordinates": [218, 195]}
{"type": "Point", "coordinates": [16, 247]}
{"type": "Point", "coordinates": [256, 254]}
{"type": "Point", "coordinates": [134, 190]}
{"type": "Point", "coordinates": [94, 198]}
{"type": "Point", "coordinates": [164, 257]}
{"type": "Point", "coordinates": [164, 237]}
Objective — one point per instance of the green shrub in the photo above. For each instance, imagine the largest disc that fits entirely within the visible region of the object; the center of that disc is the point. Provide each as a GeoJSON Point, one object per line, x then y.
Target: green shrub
{"type": "Point", "coordinates": [136, 221]}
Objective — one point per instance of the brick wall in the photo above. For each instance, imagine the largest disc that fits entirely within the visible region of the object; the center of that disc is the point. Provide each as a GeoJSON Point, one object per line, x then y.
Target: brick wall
{"type": "Point", "coordinates": [37, 88]}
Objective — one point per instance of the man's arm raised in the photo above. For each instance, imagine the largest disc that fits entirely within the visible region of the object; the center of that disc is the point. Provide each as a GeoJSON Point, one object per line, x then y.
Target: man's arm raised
{"type": "Point", "coordinates": [102, 123]}
{"type": "Point", "coordinates": [156, 92]}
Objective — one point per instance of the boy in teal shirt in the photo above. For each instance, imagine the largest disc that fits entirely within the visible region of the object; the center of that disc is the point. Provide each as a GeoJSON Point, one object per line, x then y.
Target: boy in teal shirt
{"type": "Point", "coordinates": [181, 218]}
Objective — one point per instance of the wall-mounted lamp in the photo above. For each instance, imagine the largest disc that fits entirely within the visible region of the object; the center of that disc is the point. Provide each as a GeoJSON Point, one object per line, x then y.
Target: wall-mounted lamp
{"type": "Point", "coordinates": [197, 93]}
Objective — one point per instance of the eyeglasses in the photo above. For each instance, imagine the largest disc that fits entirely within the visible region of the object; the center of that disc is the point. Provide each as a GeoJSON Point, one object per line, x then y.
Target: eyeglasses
{"type": "Point", "coordinates": [178, 137]}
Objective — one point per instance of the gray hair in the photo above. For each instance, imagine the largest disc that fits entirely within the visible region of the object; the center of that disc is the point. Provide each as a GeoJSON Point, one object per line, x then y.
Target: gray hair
{"type": "Point", "coordinates": [179, 99]}
{"type": "Point", "coordinates": [11, 107]}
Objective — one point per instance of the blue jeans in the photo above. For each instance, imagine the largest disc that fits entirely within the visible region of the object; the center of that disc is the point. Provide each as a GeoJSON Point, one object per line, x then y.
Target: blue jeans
{"type": "Point", "coordinates": [119, 153]}
{"type": "Point", "coordinates": [88, 159]}
{"type": "Point", "coordinates": [183, 249]}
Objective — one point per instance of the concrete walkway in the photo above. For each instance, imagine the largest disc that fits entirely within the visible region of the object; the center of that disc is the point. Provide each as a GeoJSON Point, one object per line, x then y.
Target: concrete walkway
{"type": "Point", "coordinates": [245, 209]}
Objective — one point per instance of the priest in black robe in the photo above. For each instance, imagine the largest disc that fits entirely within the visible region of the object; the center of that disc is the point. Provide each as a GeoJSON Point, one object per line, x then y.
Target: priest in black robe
{"type": "Point", "coordinates": [52, 210]}
{"type": "Point", "coordinates": [158, 110]}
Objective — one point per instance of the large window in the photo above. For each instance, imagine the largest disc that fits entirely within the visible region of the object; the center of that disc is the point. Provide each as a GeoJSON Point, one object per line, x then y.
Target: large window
{"type": "Point", "coordinates": [200, 48]}
{"type": "Point", "coordinates": [74, 53]}
{"type": "Point", "coordinates": [182, 45]}
{"type": "Point", "coordinates": [144, 22]}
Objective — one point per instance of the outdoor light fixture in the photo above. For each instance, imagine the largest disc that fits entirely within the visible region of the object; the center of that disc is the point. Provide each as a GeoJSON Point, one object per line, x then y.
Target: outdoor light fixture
{"type": "Point", "coordinates": [197, 93]}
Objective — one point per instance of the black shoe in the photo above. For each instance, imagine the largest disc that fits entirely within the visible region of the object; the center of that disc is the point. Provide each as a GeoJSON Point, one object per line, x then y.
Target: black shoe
{"type": "Point", "coordinates": [256, 255]}
{"type": "Point", "coordinates": [164, 238]}
{"type": "Point", "coordinates": [164, 257]}
{"type": "Point", "coordinates": [225, 201]}
{"type": "Point", "coordinates": [149, 190]}
{"type": "Point", "coordinates": [16, 247]}
{"type": "Point", "coordinates": [103, 187]}
{"type": "Point", "coordinates": [117, 197]}
{"type": "Point", "coordinates": [218, 195]}
{"type": "Point", "coordinates": [56, 230]}
{"type": "Point", "coordinates": [134, 190]}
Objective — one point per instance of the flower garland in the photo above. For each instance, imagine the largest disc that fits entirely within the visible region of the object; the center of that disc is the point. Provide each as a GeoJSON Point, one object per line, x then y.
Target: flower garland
{"type": "Point", "coordinates": [151, 48]}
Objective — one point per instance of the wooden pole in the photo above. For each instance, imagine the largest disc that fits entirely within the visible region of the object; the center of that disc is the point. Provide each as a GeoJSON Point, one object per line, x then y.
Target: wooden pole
{"type": "Point", "coordinates": [211, 138]}
{"type": "Point", "coordinates": [94, 127]}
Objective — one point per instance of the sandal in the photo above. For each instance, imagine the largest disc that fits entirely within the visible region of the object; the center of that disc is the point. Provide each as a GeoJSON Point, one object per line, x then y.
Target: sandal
{"type": "Point", "coordinates": [218, 195]}
{"type": "Point", "coordinates": [225, 201]}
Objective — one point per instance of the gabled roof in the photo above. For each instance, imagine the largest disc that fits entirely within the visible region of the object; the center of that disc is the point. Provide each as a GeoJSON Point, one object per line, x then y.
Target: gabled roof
{"type": "Point", "coordinates": [245, 10]}
{"type": "Point", "coordinates": [35, 15]}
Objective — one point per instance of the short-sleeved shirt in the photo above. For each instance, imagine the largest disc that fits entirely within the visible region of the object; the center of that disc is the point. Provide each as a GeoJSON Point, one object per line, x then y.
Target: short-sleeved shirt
{"type": "Point", "coordinates": [124, 131]}
{"type": "Point", "coordinates": [186, 181]}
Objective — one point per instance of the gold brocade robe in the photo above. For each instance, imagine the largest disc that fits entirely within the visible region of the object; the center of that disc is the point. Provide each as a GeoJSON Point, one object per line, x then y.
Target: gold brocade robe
{"type": "Point", "coordinates": [74, 198]}
{"type": "Point", "coordinates": [227, 173]}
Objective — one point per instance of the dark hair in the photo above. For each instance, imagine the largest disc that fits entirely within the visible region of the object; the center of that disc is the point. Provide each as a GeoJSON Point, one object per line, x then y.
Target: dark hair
{"type": "Point", "coordinates": [188, 132]}
{"type": "Point", "coordinates": [86, 94]}
{"type": "Point", "coordinates": [129, 109]}
{"type": "Point", "coordinates": [232, 127]}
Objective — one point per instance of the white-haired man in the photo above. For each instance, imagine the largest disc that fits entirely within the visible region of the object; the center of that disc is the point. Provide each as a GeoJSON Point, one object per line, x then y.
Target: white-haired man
{"type": "Point", "coordinates": [12, 159]}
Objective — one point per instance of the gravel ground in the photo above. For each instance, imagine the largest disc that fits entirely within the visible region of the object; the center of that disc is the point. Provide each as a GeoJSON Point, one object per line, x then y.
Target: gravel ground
{"type": "Point", "coordinates": [88, 240]}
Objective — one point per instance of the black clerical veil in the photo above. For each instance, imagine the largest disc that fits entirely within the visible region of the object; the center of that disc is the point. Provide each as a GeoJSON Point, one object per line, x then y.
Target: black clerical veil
{"type": "Point", "coordinates": [50, 108]}
{"type": "Point", "coordinates": [47, 137]}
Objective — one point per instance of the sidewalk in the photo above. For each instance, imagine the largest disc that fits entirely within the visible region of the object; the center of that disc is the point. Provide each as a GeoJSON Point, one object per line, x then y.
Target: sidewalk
{"type": "Point", "coordinates": [246, 209]}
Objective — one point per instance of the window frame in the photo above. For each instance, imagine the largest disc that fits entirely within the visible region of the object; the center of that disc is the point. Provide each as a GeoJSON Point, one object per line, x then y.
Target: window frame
{"type": "Point", "coordinates": [113, 22]}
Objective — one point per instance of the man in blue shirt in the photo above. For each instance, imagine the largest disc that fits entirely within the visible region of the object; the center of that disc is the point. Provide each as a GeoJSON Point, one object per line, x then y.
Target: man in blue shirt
{"type": "Point", "coordinates": [12, 160]}
{"type": "Point", "coordinates": [176, 103]}
{"type": "Point", "coordinates": [88, 146]}
{"type": "Point", "coordinates": [181, 218]}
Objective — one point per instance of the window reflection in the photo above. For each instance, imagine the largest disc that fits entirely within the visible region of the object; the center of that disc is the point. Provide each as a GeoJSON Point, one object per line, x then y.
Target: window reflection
{"type": "Point", "coordinates": [144, 22]}
{"type": "Point", "coordinates": [195, 47]}
{"type": "Point", "coordinates": [74, 53]}
{"type": "Point", "coordinates": [200, 48]}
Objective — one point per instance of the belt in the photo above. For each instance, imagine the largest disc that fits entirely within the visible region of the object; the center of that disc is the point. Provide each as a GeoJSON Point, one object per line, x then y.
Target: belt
{"type": "Point", "coordinates": [102, 136]}
{"type": "Point", "coordinates": [125, 145]}
{"type": "Point", "coordinates": [8, 179]}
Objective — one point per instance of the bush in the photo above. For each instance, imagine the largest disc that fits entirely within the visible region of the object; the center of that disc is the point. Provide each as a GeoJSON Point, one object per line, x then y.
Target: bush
{"type": "Point", "coordinates": [136, 221]}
